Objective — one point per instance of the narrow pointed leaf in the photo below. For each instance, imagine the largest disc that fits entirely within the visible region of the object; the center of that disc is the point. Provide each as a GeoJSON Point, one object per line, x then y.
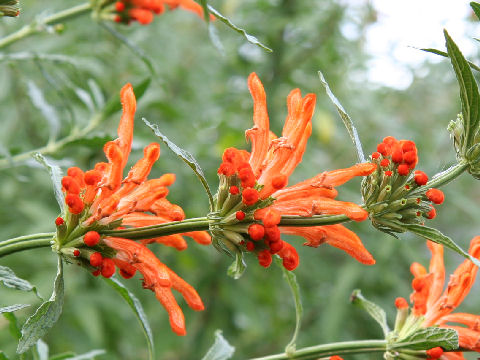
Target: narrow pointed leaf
{"type": "Point", "coordinates": [436, 236]}
{"type": "Point", "coordinates": [469, 95]}
{"type": "Point", "coordinates": [137, 309]}
{"type": "Point", "coordinates": [56, 176]}
{"type": "Point", "coordinates": [375, 311]}
{"type": "Point", "coordinates": [444, 54]}
{"type": "Point", "coordinates": [46, 315]}
{"type": "Point", "coordinates": [85, 98]}
{"type": "Point", "coordinates": [186, 156]}
{"type": "Point", "coordinates": [9, 279]}
{"type": "Point", "coordinates": [476, 8]}
{"type": "Point", "coordinates": [13, 308]}
{"type": "Point", "coordinates": [87, 356]}
{"type": "Point", "coordinates": [47, 110]}
{"type": "Point", "coordinates": [347, 121]}
{"type": "Point", "coordinates": [427, 338]}
{"type": "Point", "coordinates": [220, 350]}
{"type": "Point", "coordinates": [237, 268]}
{"type": "Point", "coordinates": [251, 39]}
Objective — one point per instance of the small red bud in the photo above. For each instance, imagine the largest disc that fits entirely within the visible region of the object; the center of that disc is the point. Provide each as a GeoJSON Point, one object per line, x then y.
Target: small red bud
{"type": "Point", "coordinates": [403, 169]}
{"type": "Point", "coordinates": [108, 268]}
{"type": "Point", "coordinates": [256, 232]}
{"type": "Point", "coordinates": [74, 203]}
{"type": "Point", "coordinates": [436, 196]}
{"type": "Point", "coordinates": [249, 196]}
{"type": "Point", "coordinates": [96, 259]}
{"type": "Point", "coordinates": [435, 353]}
{"type": "Point", "coordinates": [388, 173]}
{"type": "Point", "coordinates": [335, 357]}
{"type": "Point", "coordinates": [240, 215]}
{"type": "Point", "coordinates": [376, 155]}
{"type": "Point", "coordinates": [76, 253]}
{"type": "Point", "coordinates": [432, 213]}
{"type": "Point", "coordinates": [264, 258]}
{"type": "Point", "coordinates": [91, 238]}
{"type": "Point", "coordinates": [397, 155]}
{"type": "Point", "coordinates": [401, 303]}
{"type": "Point", "coordinates": [59, 221]}
{"type": "Point", "coordinates": [234, 190]}
{"type": "Point", "coordinates": [250, 246]}
{"type": "Point", "coordinates": [119, 6]}
{"type": "Point", "coordinates": [96, 272]}
{"type": "Point", "coordinates": [384, 163]}
{"type": "Point", "coordinates": [420, 178]}
{"type": "Point", "coordinates": [382, 149]}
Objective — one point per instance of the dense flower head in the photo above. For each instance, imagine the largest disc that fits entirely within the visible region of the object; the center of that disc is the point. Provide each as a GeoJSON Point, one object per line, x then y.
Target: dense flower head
{"type": "Point", "coordinates": [433, 305]}
{"type": "Point", "coordinates": [143, 11]}
{"type": "Point", "coordinates": [255, 184]}
{"type": "Point", "coordinates": [101, 198]}
{"type": "Point", "coordinates": [394, 194]}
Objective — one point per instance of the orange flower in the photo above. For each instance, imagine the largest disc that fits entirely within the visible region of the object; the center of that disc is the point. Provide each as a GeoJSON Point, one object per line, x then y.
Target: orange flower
{"type": "Point", "coordinates": [254, 184]}
{"type": "Point", "coordinates": [100, 199]}
{"type": "Point", "coordinates": [434, 305]}
{"type": "Point", "coordinates": [144, 10]}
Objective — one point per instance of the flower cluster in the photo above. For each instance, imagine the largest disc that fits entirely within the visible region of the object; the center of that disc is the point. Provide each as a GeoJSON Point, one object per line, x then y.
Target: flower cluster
{"type": "Point", "coordinates": [395, 193]}
{"type": "Point", "coordinates": [143, 11]}
{"type": "Point", "coordinates": [253, 194]}
{"type": "Point", "coordinates": [101, 199]}
{"type": "Point", "coordinates": [433, 306]}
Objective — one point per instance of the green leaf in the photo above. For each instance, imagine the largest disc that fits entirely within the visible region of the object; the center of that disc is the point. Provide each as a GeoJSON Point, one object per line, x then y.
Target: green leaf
{"type": "Point", "coordinates": [251, 39]}
{"type": "Point", "coordinates": [63, 356]}
{"type": "Point", "coordinates": [93, 142]}
{"type": "Point", "coordinates": [375, 311]}
{"type": "Point", "coordinates": [9, 279]}
{"type": "Point", "coordinates": [427, 338]}
{"type": "Point", "coordinates": [291, 279]}
{"type": "Point", "coordinates": [46, 315]}
{"type": "Point", "coordinates": [220, 350]}
{"type": "Point", "coordinates": [237, 268]}
{"type": "Point", "coordinates": [3, 356]}
{"type": "Point", "coordinates": [87, 356]}
{"type": "Point", "coordinates": [13, 325]}
{"type": "Point", "coordinates": [476, 8]}
{"type": "Point", "coordinates": [47, 110]}
{"type": "Point", "coordinates": [444, 54]}
{"type": "Point", "coordinates": [42, 350]}
{"type": "Point", "coordinates": [56, 175]}
{"type": "Point", "coordinates": [136, 306]}
{"type": "Point", "coordinates": [12, 308]}
{"type": "Point", "coordinates": [347, 121]}
{"type": "Point", "coordinates": [186, 156]}
{"type": "Point", "coordinates": [436, 236]}
{"type": "Point", "coordinates": [469, 95]}
{"type": "Point", "coordinates": [113, 104]}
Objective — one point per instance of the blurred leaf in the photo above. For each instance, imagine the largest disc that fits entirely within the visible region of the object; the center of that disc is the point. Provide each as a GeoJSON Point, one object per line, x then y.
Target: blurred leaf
{"type": "Point", "coordinates": [424, 339]}
{"type": "Point", "coordinates": [13, 308]}
{"type": "Point", "coordinates": [436, 236]}
{"type": "Point", "coordinates": [136, 306]}
{"type": "Point", "coordinates": [3, 356]}
{"type": "Point", "coordinates": [220, 350]}
{"type": "Point", "coordinates": [56, 175]}
{"type": "Point", "coordinates": [9, 279]}
{"type": "Point", "coordinates": [85, 98]}
{"type": "Point", "coordinates": [42, 350]}
{"type": "Point", "coordinates": [468, 92]}
{"type": "Point", "coordinates": [113, 104]}
{"type": "Point", "coordinates": [94, 142]}
{"type": "Point", "coordinates": [347, 121]}
{"type": "Point", "coordinates": [291, 279]}
{"type": "Point", "coordinates": [476, 8]}
{"type": "Point", "coordinates": [237, 268]}
{"type": "Point", "coordinates": [375, 311]}
{"type": "Point", "coordinates": [63, 356]}
{"type": "Point", "coordinates": [444, 54]}
{"type": "Point", "coordinates": [97, 94]}
{"type": "Point", "coordinates": [186, 156]}
{"type": "Point", "coordinates": [36, 56]}
{"type": "Point", "coordinates": [13, 325]}
{"type": "Point", "coordinates": [87, 356]}
{"type": "Point", "coordinates": [48, 111]}
{"type": "Point", "coordinates": [46, 315]}
{"type": "Point", "coordinates": [133, 47]}
{"type": "Point", "coordinates": [226, 21]}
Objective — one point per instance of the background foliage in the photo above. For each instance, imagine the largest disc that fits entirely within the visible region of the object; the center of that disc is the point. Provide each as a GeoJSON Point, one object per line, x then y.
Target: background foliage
{"type": "Point", "coordinates": [200, 100]}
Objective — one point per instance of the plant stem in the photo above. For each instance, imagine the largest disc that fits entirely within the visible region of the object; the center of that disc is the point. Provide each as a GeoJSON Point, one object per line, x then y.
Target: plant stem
{"type": "Point", "coordinates": [24, 245]}
{"type": "Point", "coordinates": [27, 237]}
{"type": "Point", "coordinates": [316, 220]}
{"type": "Point", "coordinates": [339, 348]}
{"type": "Point", "coordinates": [36, 27]}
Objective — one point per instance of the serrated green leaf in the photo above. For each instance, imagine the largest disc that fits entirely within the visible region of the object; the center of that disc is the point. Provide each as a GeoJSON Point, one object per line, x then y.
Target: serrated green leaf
{"type": "Point", "coordinates": [56, 176]}
{"type": "Point", "coordinates": [87, 356]}
{"type": "Point", "coordinates": [13, 308]}
{"type": "Point", "coordinates": [137, 308]}
{"type": "Point", "coordinates": [220, 350]}
{"type": "Point", "coordinates": [375, 311]}
{"type": "Point", "coordinates": [347, 121]}
{"type": "Point", "coordinates": [237, 268]}
{"type": "Point", "coordinates": [444, 54]}
{"type": "Point", "coordinates": [47, 110]}
{"type": "Point", "coordinates": [427, 338]}
{"type": "Point", "coordinates": [46, 315]}
{"type": "Point", "coordinates": [291, 279]}
{"type": "Point", "coordinates": [113, 104]}
{"type": "Point", "coordinates": [476, 8]}
{"type": "Point", "coordinates": [251, 39]}
{"type": "Point", "coordinates": [436, 236]}
{"type": "Point", "coordinates": [186, 156]}
{"type": "Point", "coordinates": [42, 350]}
{"type": "Point", "coordinates": [9, 279]}
{"type": "Point", "coordinates": [469, 95]}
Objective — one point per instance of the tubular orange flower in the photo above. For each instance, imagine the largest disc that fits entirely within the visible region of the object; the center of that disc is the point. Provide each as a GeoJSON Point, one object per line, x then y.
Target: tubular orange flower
{"type": "Point", "coordinates": [255, 184]}
{"type": "Point", "coordinates": [99, 199]}
{"type": "Point", "coordinates": [433, 306]}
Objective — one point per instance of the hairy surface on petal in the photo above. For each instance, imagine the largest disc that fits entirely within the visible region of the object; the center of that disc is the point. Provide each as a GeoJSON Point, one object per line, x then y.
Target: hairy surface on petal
{"type": "Point", "coordinates": [175, 314]}
{"type": "Point", "coordinates": [176, 241]}
{"type": "Point", "coordinates": [470, 320]}
{"type": "Point", "coordinates": [260, 133]}
{"type": "Point", "coordinates": [188, 292]}
{"type": "Point", "coordinates": [125, 128]}
{"type": "Point", "coordinates": [164, 208]}
{"type": "Point", "coordinates": [139, 172]}
{"type": "Point", "coordinates": [312, 192]}
{"type": "Point", "coordinates": [114, 175]}
{"type": "Point", "coordinates": [138, 219]}
{"type": "Point", "coordinates": [437, 268]}
{"type": "Point", "coordinates": [335, 235]}
{"type": "Point", "coordinates": [200, 237]}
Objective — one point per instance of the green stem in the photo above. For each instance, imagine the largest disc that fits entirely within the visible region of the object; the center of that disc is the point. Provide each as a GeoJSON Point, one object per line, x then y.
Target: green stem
{"type": "Point", "coordinates": [444, 177]}
{"type": "Point", "coordinates": [27, 237]}
{"type": "Point", "coordinates": [24, 245]}
{"type": "Point", "coordinates": [316, 220]}
{"type": "Point", "coordinates": [37, 27]}
{"type": "Point", "coordinates": [339, 348]}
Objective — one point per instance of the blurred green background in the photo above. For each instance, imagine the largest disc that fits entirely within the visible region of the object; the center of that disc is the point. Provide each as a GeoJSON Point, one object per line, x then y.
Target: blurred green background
{"type": "Point", "coordinates": [200, 100]}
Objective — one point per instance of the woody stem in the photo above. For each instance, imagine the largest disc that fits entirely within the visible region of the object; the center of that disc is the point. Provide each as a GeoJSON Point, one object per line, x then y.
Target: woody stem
{"type": "Point", "coordinates": [39, 26]}
{"type": "Point", "coordinates": [339, 348]}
